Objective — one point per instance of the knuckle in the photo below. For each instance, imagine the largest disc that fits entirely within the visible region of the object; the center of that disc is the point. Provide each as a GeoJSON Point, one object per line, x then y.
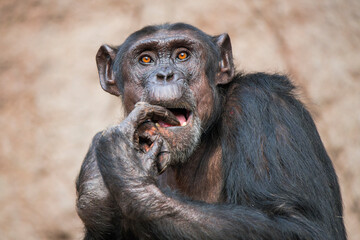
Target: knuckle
{"type": "Point", "coordinates": [140, 104]}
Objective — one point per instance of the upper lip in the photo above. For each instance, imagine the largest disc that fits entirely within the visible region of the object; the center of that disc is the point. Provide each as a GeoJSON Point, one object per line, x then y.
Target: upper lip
{"type": "Point", "coordinates": [182, 111]}
{"type": "Point", "coordinates": [173, 105]}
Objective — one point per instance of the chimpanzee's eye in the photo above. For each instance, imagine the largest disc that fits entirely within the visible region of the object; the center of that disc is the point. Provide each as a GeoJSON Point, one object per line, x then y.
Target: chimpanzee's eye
{"type": "Point", "coordinates": [146, 59]}
{"type": "Point", "coordinates": [182, 56]}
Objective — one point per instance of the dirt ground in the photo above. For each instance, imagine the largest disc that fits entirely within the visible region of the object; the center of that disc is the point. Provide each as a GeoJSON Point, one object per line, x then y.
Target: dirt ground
{"type": "Point", "coordinates": [51, 103]}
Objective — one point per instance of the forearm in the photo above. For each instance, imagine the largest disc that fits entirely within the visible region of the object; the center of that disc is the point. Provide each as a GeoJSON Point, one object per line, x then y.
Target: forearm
{"type": "Point", "coordinates": [169, 216]}
{"type": "Point", "coordinates": [95, 205]}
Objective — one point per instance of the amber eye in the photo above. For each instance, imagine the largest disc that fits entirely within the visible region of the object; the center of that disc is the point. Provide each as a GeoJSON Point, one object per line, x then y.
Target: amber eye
{"type": "Point", "coordinates": [182, 56]}
{"type": "Point", "coordinates": [146, 59]}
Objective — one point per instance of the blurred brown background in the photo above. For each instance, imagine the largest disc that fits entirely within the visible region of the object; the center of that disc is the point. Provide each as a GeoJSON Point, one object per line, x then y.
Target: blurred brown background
{"type": "Point", "coordinates": [51, 103]}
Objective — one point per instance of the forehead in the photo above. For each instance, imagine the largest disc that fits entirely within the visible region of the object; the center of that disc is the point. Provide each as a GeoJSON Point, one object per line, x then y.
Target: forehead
{"type": "Point", "coordinates": [165, 33]}
{"type": "Point", "coordinates": [165, 37]}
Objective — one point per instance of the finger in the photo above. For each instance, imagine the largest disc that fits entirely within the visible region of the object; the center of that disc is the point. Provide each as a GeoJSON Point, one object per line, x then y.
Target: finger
{"type": "Point", "coordinates": [163, 114]}
{"type": "Point", "coordinates": [144, 111]}
{"type": "Point", "coordinates": [146, 141]}
{"type": "Point", "coordinates": [147, 134]}
{"type": "Point", "coordinates": [131, 123]}
{"type": "Point", "coordinates": [163, 161]}
{"type": "Point", "coordinates": [147, 130]}
{"type": "Point", "coordinates": [147, 137]}
{"type": "Point", "coordinates": [155, 149]}
{"type": "Point", "coordinates": [149, 159]}
{"type": "Point", "coordinates": [164, 158]}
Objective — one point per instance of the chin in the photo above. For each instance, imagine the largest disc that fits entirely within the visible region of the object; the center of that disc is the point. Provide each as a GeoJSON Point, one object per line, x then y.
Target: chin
{"type": "Point", "coordinates": [183, 140]}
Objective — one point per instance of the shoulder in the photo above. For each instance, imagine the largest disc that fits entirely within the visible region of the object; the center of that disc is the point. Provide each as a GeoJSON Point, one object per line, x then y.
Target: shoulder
{"type": "Point", "coordinates": [259, 90]}
{"type": "Point", "coordinates": [258, 100]}
{"type": "Point", "coordinates": [262, 85]}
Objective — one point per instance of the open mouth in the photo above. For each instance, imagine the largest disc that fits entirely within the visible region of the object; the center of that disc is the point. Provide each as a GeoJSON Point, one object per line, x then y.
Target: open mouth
{"type": "Point", "coordinates": [182, 116]}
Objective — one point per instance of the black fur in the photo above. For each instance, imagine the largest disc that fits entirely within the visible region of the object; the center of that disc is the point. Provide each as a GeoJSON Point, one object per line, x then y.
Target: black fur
{"type": "Point", "coordinates": [278, 181]}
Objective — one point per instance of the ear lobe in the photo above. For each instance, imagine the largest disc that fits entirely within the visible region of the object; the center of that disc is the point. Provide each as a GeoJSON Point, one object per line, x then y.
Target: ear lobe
{"type": "Point", "coordinates": [105, 58]}
{"type": "Point", "coordinates": [226, 64]}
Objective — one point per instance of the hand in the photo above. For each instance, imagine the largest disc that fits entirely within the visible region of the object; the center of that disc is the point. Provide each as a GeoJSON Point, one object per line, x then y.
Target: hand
{"type": "Point", "coordinates": [135, 147]}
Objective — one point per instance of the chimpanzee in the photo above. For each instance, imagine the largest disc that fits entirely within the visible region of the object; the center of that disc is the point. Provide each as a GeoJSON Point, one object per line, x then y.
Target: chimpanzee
{"type": "Point", "coordinates": [204, 152]}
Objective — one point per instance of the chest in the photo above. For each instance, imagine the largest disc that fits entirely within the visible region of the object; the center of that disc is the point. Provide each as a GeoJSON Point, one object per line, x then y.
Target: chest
{"type": "Point", "coordinates": [200, 178]}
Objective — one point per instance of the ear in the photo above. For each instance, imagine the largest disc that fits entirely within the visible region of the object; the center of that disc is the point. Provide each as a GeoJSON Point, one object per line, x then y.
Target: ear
{"type": "Point", "coordinates": [226, 72]}
{"type": "Point", "coordinates": [105, 58]}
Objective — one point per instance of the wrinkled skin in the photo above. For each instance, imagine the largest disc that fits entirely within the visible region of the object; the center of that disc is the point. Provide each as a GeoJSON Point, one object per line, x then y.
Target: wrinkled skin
{"type": "Point", "coordinates": [203, 153]}
{"type": "Point", "coordinates": [149, 83]}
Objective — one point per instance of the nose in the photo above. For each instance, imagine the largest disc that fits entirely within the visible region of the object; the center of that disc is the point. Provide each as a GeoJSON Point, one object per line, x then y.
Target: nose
{"type": "Point", "coordinates": [165, 75]}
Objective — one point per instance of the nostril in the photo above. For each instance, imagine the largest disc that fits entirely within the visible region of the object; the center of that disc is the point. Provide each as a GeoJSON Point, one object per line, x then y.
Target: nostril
{"type": "Point", "coordinates": [160, 75]}
{"type": "Point", "coordinates": [169, 76]}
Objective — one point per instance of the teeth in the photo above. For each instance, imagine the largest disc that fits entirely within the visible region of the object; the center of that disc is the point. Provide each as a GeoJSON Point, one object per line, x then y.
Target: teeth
{"type": "Point", "coordinates": [183, 124]}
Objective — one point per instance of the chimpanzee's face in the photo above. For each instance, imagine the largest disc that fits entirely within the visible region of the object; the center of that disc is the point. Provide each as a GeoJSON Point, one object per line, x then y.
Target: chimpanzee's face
{"type": "Point", "coordinates": [167, 68]}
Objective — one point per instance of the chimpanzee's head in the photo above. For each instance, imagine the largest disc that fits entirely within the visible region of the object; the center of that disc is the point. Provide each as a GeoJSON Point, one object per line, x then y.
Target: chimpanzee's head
{"type": "Point", "coordinates": [176, 66]}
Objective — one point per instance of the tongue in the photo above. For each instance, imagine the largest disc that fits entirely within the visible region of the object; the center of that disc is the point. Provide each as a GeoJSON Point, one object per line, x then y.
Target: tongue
{"type": "Point", "coordinates": [180, 117]}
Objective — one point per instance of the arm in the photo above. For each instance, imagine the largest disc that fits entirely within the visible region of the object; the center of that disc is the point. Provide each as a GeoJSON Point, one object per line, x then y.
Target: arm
{"type": "Point", "coordinates": [149, 211]}
{"type": "Point", "coordinates": [130, 176]}
{"type": "Point", "coordinates": [95, 205]}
